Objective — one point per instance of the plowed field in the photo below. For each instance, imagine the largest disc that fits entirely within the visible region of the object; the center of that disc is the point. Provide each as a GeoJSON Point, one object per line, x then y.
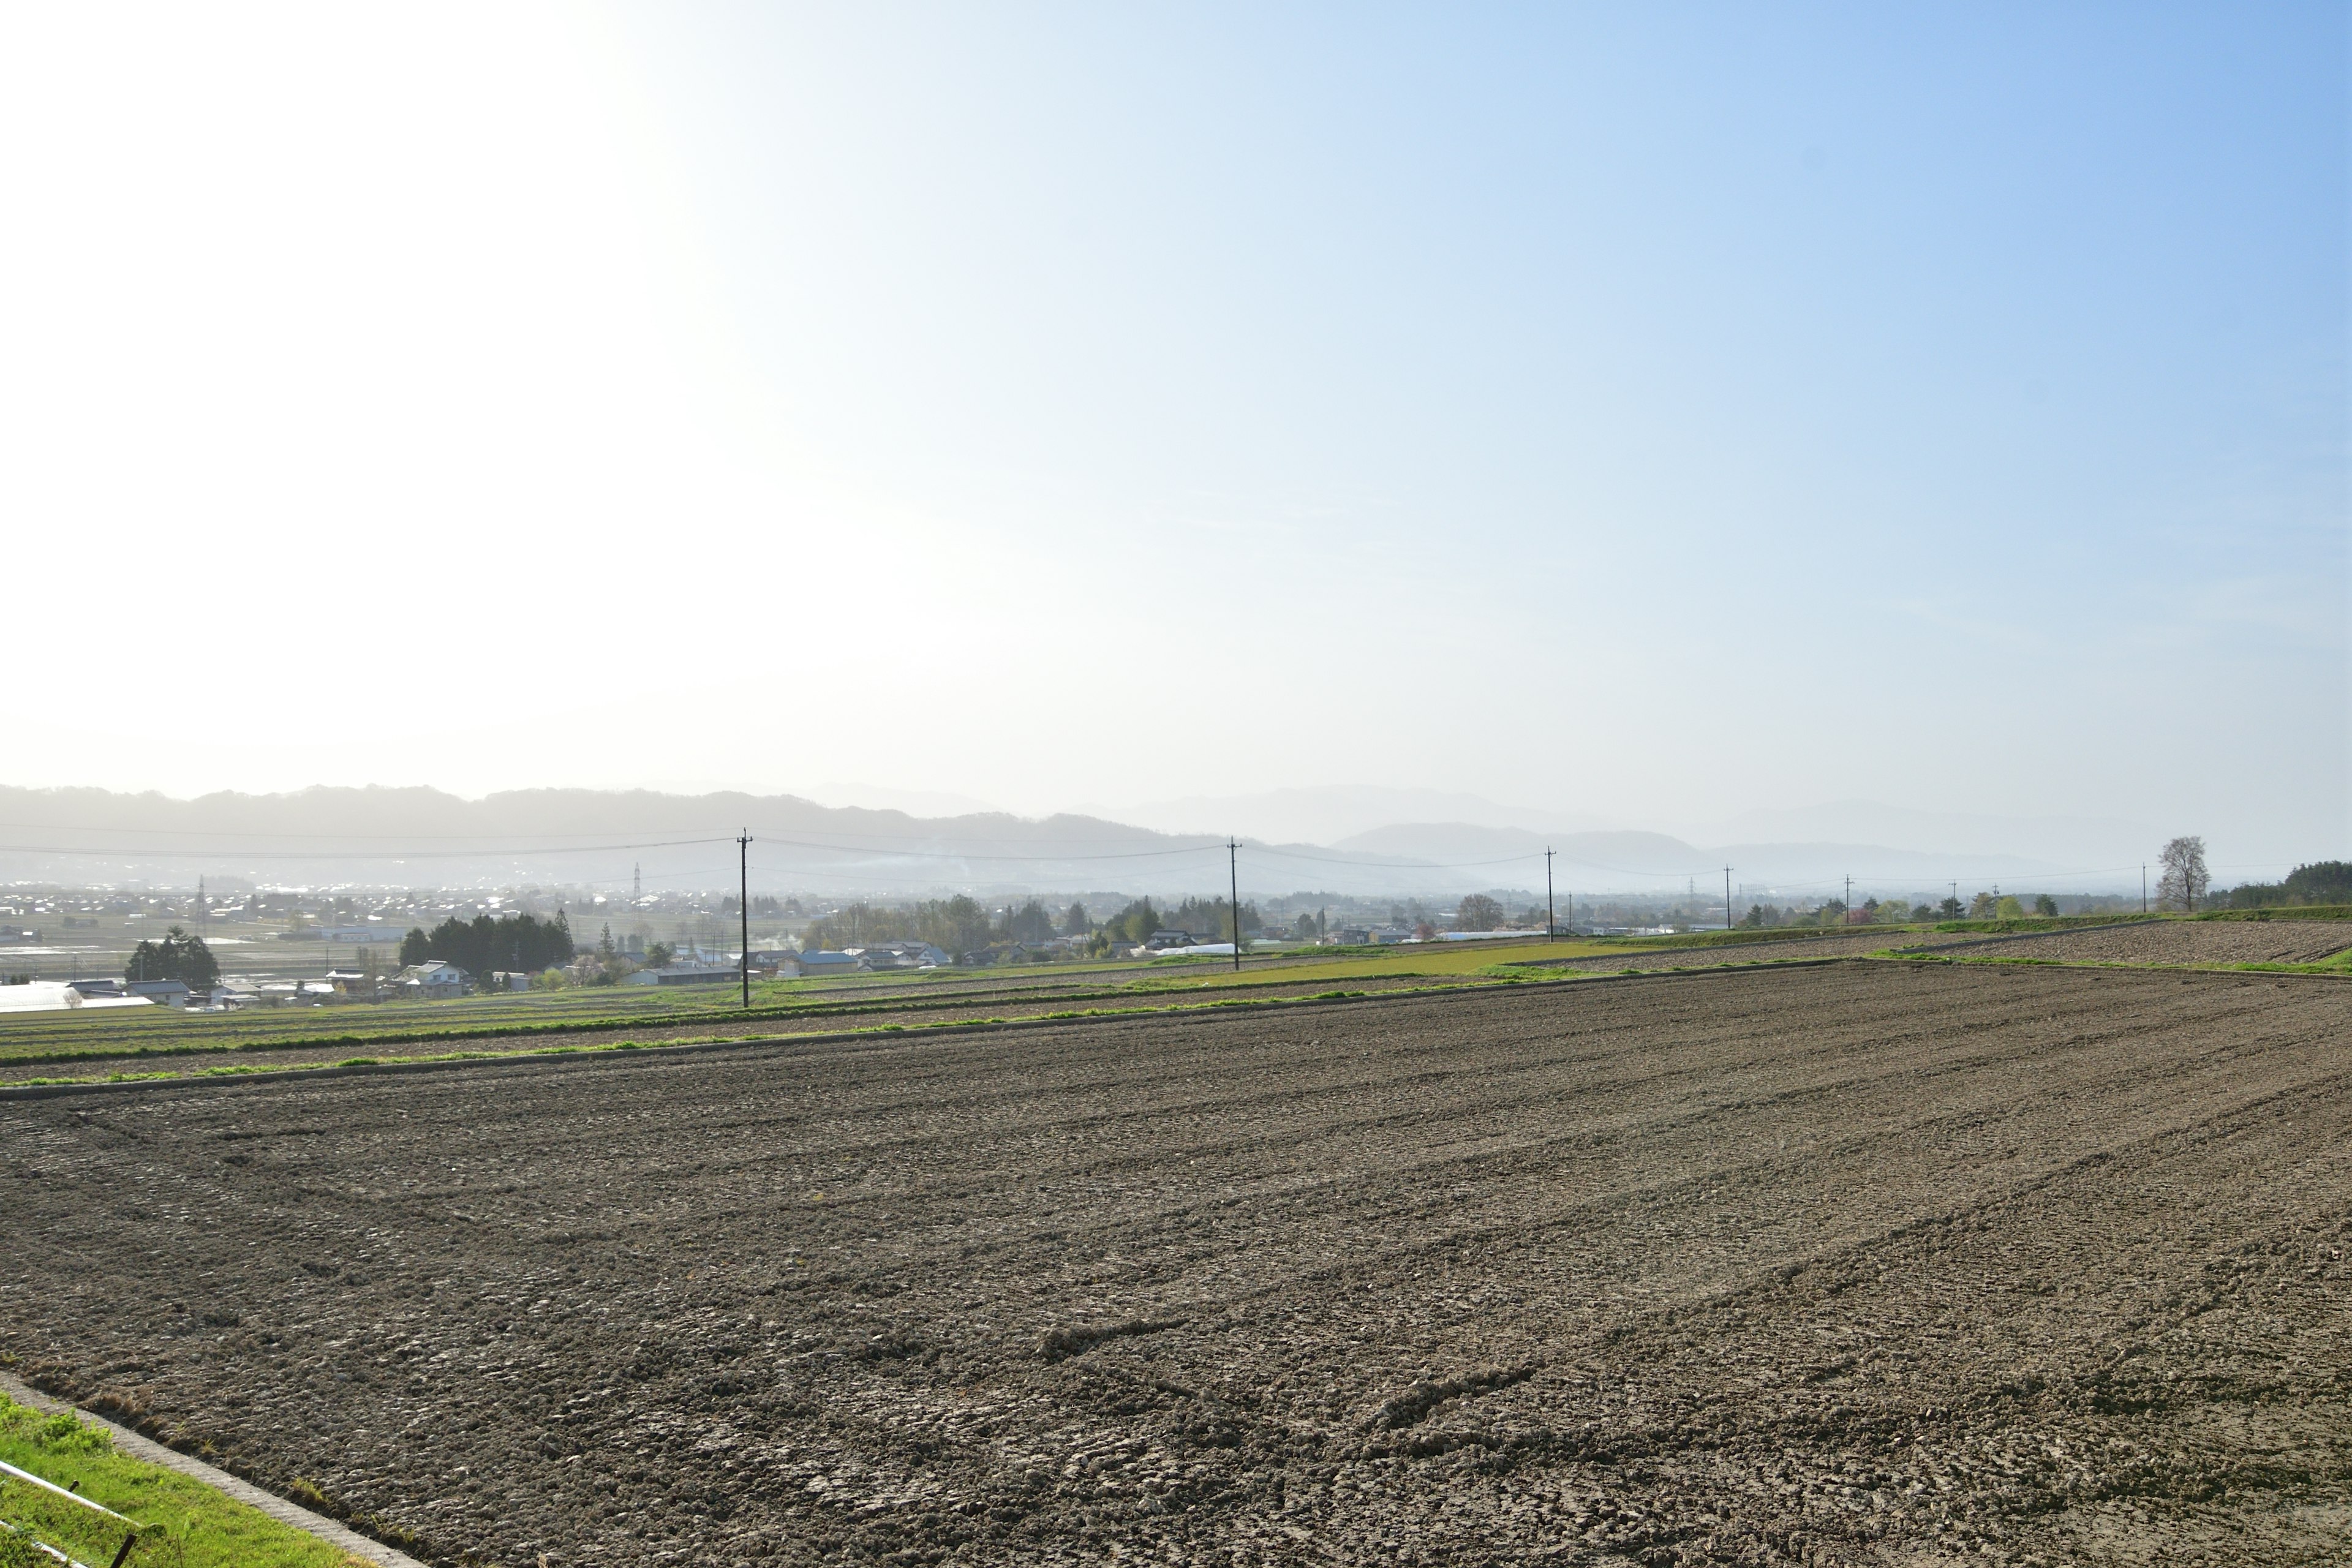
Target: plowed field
{"type": "Point", "coordinates": [2190, 942]}
{"type": "Point", "coordinates": [1844, 944]}
{"type": "Point", "coordinates": [1868, 1263]}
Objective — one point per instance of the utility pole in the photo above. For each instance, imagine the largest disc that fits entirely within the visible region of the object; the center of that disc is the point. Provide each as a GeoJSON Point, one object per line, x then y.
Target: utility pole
{"type": "Point", "coordinates": [1726, 898]}
{"type": "Point", "coordinates": [1551, 921]}
{"type": "Point", "coordinates": [743, 908]}
{"type": "Point", "coordinates": [2143, 887]}
{"type": "Point", "coordinates": [1234, 869]}
{"type": "Point", "coordinates": [1849, 896]}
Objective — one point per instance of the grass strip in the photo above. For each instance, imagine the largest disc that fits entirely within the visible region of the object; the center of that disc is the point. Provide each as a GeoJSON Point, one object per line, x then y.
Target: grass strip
{"type": "Point", "coordinates": [185, 1523]}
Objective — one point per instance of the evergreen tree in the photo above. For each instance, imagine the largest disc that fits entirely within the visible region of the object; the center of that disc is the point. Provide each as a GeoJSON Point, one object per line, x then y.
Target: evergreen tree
{"type": "Point", "coordinates": [178, 956]}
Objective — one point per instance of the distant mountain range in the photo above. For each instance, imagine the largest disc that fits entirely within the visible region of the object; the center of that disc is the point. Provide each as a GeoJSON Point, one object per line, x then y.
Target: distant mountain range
{"type": "Point", "coordinates": [609, 839]}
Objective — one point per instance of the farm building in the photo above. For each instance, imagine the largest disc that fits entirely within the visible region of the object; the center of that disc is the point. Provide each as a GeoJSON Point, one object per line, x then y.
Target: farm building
{"type": "Point", "coordinates": [685, 975]}
{"type": "Point", "coordinates": [900, 955]}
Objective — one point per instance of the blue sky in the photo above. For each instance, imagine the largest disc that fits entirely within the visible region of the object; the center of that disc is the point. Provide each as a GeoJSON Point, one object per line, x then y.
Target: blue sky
{"type": "Point", "coordinates": [1652, 412]}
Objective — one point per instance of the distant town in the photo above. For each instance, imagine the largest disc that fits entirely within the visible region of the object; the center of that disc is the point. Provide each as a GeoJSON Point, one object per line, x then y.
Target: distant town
{"type": "Point", "coordinates": [240, 946]}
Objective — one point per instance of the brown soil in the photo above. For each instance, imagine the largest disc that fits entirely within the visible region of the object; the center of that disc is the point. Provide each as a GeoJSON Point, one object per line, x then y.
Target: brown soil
{"type": "Point", "coordinates": [1863, 1264]}
{"type": "Point", "coordinates": [2191, 942]}
{"type": "Point", "coordinates": [864, 1012]}
{"type": "Point", "coordinates": [1843, 945]}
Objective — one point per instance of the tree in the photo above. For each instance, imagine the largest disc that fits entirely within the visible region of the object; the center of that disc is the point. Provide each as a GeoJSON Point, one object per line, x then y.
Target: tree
{"type": "Point", "coordinates": [178, 956]}
{"type": "Point", "coordinates": [519, 943]}
{"type": "Point", "coordinates": [2009, 908]}
{"type": "Point", "coordinates": [2045, 906]}
{"type": "Point", "coordinates": [1029, 923]}
{"type": "Point", "coordinates": [2184, 880]}
{"type": "Point", "coordinates": [658, 955]}
{"type": "Point", "coordinates": [2322, 882]}
{"type": "Point", "coordinates": [1950, 910]}
{"type": "Point", "coordinates": [1478, 913]}
{"type": "Point", "coordinates": [1980, 907]}
{"type": "Point", "coordinates": [1077, 922]}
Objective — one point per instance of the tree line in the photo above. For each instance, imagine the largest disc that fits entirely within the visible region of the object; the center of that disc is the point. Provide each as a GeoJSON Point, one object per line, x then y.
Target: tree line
{"type": "Point", "coordinates": [2321, 882]}
{"type": "Point", "coordinates": [519, 943]}
{"type": "Point", "coordinates": [178, 956]}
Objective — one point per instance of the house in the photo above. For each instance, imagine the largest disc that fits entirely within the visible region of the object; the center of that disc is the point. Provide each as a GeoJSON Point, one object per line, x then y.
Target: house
{"type": "Point", "coordinates": [900, 955]}
{"type": "Point", "coordinates": [775, 963]}
{"type": "Point", "coordinates": [824, 961]}
{"type": "Point", "coordinates": [1007, 953]}
{"type": "Point", "coordinates": [685, 975]}
{"type": "Point", "coordinates": [389, 935]}
{"type": "Point", "coordinates": [1161, 941]}
{"type": "Point", "coordinates": [431, 980]}
{"type": "Point", "coordinates": [163, 992]}
{"type": "Point", "coordinates": [99, 987]}
{"type": "Point", "coordinates": [510, 980]}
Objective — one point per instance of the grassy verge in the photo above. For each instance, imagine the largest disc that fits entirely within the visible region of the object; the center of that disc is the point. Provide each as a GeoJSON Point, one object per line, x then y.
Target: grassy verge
{"type": "Point", "coordinates": [185, 1525]}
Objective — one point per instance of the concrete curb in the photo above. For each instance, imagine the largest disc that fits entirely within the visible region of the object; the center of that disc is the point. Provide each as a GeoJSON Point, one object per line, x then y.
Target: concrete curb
{"type": "Point", "coordinates": [271, 1503]}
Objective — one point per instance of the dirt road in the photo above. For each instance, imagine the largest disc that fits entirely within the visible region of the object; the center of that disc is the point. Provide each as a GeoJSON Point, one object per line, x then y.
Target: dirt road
{"type": "Point", "coordinates": [1870, 1263]}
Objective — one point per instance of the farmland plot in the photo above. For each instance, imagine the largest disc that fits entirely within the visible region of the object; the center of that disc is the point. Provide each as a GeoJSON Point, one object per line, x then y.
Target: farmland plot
{"type": "Point", "coordinates": [2190, 941]}
{"type": "Point", "coordinates": [1870, 1263]}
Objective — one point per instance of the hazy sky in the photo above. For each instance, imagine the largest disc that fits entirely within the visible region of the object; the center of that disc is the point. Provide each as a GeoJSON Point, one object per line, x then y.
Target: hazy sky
{"type": "Point", "coordinates": [1648, 411]}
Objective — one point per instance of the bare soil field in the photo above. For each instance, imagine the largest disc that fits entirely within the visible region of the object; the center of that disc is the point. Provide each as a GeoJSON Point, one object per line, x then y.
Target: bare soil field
{"type": "Point", "coordinates": [1846, 945]}
{"type": "Point", "coordinates": [1870, 1263]}
{"type": "Point", "coordinates": [906, 1010]}
{"type": "Point", "coordinates": [2190, 942]}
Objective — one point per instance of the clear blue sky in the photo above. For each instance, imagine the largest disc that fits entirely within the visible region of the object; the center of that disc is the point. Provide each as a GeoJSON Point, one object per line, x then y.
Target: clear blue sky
{"type": "Point", "coordinates": [1941, 406]}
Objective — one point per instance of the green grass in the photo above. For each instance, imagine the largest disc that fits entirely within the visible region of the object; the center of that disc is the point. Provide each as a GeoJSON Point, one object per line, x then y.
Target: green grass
{"type": "Point", "coordinates": [2284, 912]}
{"type": "Point", "coordinates": [185, 1523]}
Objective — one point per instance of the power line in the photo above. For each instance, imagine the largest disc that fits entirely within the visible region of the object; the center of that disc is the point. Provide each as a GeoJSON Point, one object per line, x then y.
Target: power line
{"type": "Point", "coordinates": [323, 854]}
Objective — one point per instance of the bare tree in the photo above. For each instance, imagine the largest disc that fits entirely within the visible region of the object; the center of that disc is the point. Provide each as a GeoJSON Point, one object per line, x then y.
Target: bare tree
{"type": "Point", "coordinates": [1478, 913]}
{"type": "Point", "coordinates": [2184, 880]}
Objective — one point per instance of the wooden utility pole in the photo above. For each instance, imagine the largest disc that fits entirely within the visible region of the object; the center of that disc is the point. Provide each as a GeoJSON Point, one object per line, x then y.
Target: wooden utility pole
{"type": "Point", "coordinates": [1726, 898]}
{"type": "Point", "coordinates": [1234, 869]}
{"type": "Point", "coordinates": [1551, 918]}
{"type": "Point", "coordinates": [743, 908]}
